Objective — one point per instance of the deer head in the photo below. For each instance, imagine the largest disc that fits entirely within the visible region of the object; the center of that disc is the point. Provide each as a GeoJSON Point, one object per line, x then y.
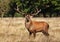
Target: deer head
{"type": "Point", "coordinates": [28, 18]}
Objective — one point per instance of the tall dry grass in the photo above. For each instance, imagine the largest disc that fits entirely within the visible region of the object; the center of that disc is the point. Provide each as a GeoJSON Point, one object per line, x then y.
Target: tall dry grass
{"type": "Point", "coordinates": [13, 30]}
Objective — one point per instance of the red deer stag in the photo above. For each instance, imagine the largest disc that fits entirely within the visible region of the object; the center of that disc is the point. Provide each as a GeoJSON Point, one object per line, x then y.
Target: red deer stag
{"type": "Point", "coordinates": [35, 26]}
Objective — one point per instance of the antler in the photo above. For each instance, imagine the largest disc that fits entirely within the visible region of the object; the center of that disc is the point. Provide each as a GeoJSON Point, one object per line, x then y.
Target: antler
{"type": "Point", "coordinates": [19, 11]}
{"type": "Point", "coordinates": [37, 11]}
{"type": "Point", "coordinates": [25, 13]}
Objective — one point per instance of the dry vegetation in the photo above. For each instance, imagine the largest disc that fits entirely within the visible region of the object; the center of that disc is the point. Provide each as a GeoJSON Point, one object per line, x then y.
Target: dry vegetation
{"type": "Point", "coordinates": [13, 30]}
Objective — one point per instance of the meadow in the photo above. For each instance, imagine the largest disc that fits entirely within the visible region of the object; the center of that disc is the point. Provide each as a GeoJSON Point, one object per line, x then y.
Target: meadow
{"type": "Point", "coordinates": [13, 30]}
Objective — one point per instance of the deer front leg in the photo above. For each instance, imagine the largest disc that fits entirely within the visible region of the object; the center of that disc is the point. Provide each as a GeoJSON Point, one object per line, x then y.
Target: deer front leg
{"type": "Point", "coordinates": [30, 34]}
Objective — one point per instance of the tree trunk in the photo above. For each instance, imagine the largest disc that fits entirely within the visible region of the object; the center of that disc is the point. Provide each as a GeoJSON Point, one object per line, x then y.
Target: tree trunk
{"type": "Point", "coordinates": [2, 15]}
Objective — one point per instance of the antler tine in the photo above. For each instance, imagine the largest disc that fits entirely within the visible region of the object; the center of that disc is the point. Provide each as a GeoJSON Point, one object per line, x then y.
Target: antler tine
{"type": "Point", "coordinates": [37, 12]}
{"type": "Point", "coordinates": [19, 11]}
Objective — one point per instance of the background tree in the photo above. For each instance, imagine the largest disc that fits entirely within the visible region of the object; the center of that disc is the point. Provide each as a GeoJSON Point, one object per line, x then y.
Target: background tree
{"type": "Point", "coordinates": [49, 8]}
{"type": "Point", "coordinates": [4, 7]}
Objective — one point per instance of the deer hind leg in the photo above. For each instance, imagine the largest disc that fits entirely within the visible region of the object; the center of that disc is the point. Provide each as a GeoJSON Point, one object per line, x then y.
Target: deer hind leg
{"type": "Point", "coordinates": [34, 34]}
{"type": "Point", "coordinates": [45, 33]}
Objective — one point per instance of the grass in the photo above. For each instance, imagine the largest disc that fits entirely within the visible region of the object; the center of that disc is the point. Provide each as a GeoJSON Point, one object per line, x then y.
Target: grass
{"type": "Point", "coordinates": [15, 31]}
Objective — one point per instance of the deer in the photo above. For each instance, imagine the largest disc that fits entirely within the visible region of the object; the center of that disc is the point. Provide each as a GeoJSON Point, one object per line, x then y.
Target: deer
{"type": "Point", "coordinates": [34, 27]}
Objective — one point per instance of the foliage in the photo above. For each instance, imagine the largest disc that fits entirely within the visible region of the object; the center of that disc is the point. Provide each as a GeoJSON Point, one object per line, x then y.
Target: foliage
{"type": "Point", "coordinates": [4, 7]}
{"type": "Point", "coordinates": [31, 6]}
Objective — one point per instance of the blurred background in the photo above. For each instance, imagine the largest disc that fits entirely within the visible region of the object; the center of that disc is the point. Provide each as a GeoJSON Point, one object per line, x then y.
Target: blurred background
{"type": "Point", "coordinates": [15, 8]}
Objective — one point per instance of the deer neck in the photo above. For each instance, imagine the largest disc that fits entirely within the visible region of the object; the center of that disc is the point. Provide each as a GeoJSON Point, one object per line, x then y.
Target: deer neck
{"type": "Point", "coordinates": [28, 20]}
{"type": "Point", "coordinates": [28, 23]}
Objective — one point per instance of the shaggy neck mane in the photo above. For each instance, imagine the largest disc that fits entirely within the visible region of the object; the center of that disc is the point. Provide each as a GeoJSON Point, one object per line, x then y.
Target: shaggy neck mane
{"type": "Point", "coordinates": [28, 23]}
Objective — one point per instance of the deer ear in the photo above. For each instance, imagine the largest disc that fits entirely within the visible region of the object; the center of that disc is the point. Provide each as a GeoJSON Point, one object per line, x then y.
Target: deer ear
{"type": "Point", "coordinates": [31, 16]}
